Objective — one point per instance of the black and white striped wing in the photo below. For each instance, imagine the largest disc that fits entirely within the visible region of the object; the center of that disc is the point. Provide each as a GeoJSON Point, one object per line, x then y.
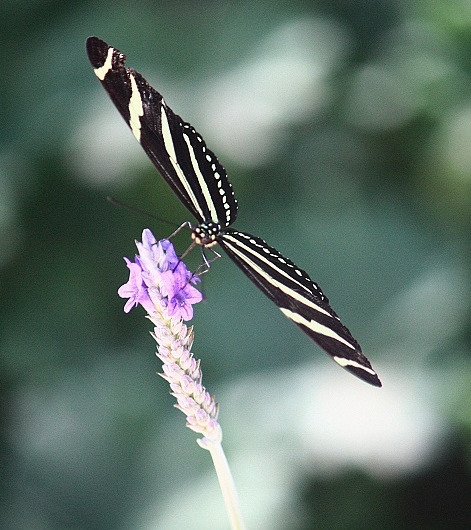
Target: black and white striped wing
{"type": "Point", "coordinates": [175, 148]}
{"type": "Point", "coordinates": [298, 298]}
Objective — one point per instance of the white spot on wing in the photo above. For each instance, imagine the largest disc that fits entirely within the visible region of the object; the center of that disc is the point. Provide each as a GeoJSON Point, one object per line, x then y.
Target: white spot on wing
{"type": "Point", "coordinates": [170, 148]}
{"type": "Point", "coordinates": [201, 180]}
{"type": "Point", "coordinates": [135, 109]}
{"type": "Point", "coordinates": [107, 66]}
{"type": "Point", "coordinates": [341, 361]}
{"type": "Point", "coordinates": [319, 328]}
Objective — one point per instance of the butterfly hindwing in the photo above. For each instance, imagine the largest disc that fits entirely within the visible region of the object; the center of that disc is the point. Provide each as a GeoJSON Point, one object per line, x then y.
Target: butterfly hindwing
{"type": "Point", "coordinates": [298, 298]}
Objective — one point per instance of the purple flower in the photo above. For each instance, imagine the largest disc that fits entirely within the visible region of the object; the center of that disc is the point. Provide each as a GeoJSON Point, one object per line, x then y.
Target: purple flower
{"type": "Point", "coordinates": [135, 289]}
{"type": "Point", "coordinates": [159, 274]}
{"type": "Point", "coordinates": [182, 295]}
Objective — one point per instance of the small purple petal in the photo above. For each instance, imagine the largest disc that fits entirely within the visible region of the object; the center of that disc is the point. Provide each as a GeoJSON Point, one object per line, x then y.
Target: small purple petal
{"type": "Point", "coordinates": [167, 283]}
{"type": "Point", "coordinates": [180, 303]}
{"type": "Point", "coordinates": [148, 238]}
{"type": "Point", "coordinates": [193, 278]}
{"type": "Point", "coordinates": [170, 254]}
{"type": "Point", "coordinates": [135, 289]}
{"type": "Point", "coordinates": [178, 307]}
{"type": "Point", "coordinates": [150, 256]}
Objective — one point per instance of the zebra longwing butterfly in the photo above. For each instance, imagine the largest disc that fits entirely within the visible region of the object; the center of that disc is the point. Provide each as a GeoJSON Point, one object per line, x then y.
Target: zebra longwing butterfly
{"type": "Point", "coordinates": [200, 182]}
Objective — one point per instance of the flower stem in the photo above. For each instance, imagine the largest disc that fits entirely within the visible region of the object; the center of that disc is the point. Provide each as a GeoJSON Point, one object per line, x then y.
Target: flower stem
{"type": "Point", "coordinates": [226, 482]}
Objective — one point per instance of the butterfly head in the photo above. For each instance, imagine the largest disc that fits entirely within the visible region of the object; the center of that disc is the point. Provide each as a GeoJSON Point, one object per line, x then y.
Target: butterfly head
{"type": "Point", "coordinates": [206, 234]}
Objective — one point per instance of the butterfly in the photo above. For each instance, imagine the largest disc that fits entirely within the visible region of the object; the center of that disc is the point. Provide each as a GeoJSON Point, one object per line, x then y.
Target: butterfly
{"type": "Point", "coordinates": [199, 180]}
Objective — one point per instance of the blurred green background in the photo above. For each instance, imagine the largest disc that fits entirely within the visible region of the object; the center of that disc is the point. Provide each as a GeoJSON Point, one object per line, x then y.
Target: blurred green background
{"type": "Point", "coordinates": [345, 127]}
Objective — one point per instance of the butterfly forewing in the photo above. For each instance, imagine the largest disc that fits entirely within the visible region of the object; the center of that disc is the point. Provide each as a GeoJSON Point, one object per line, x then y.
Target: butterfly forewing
{"type": "Point", "coordinates": [298, 298]}
{"type": "Point", "coordinates": [175, 148]}
{"type": "Point", "coordinates": [181, 155]}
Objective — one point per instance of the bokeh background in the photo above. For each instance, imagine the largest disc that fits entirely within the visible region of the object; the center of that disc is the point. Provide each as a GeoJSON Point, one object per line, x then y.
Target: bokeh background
{"type": "Point", "coordinates": [345, 127]}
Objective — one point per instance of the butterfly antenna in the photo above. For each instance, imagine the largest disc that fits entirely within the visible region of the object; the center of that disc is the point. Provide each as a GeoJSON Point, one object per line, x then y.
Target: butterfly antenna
{"type": "Point", "coordinates": [133, 209]}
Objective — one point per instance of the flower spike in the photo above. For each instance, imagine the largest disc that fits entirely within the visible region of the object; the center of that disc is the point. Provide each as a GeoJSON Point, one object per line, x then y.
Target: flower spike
{"type": "Point", "coordinates": [160, 282]}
